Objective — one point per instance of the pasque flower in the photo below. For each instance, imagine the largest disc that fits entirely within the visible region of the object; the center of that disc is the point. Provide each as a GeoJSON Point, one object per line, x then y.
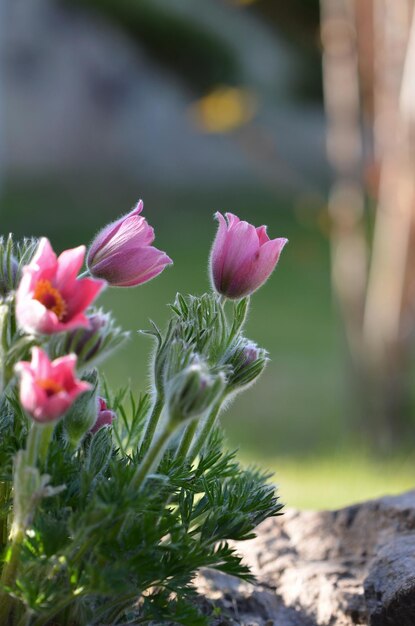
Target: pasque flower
{"type": "Point", "coordinates": [50, 298]}
{"type": "Point", "coordinates": [48, 388]}
{"type": "Point", "coordinates": [122, 253]}
{"type": "Point", "coordinates": [243, 257]}
{"type": "Point", "coordinates": [105, 416]}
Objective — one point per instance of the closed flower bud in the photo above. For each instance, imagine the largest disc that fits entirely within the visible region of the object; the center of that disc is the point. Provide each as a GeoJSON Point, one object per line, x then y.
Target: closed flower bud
{"type": "Point", "coordinates": [105, 416]}
{"type": "Point", "coordinates": [83, 414]}
{"type": "Point", "coordinates": [8, 275]}
{"type": "Point", "coordinates": [243, 257]}
{"type": "Point", "coordinates": [247, 362]}
{"type": "Point", "coordinates": [191, 392]}
{"type": "Point", "coordinates": [122, 253]}
{"type": "Point", "coordinates": [86, 342]}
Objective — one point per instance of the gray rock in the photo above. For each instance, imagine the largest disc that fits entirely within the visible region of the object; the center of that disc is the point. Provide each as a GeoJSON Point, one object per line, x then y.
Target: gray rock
{"type": "Point", "coordinates": [329, 568]}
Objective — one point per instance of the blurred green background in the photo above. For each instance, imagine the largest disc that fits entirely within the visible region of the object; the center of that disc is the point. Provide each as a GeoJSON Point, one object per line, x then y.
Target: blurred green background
{"type": "Point", "coordinates": [301, 419]}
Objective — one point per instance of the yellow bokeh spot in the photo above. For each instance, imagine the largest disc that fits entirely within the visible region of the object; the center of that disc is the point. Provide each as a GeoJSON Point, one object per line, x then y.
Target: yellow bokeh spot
{"type": "Point", "coordinates": [223, 110]}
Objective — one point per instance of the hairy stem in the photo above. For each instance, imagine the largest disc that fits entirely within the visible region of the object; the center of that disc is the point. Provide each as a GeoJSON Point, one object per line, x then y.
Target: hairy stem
{"type": "Point", "coordinates": [18, 530]}
{"type": "Point", "coordinates": [4, 310]}
{"type": "Point", "coordinates": [203, 435]}
{"type": "Point", "coordinates": [45, 437]}
{"type": "Point", "coordinates": [151, 457]}
{"type": "Point", "coordinates": [187, 439]}
{"type": "Point", "coordinates": [152, 423]}
{"type": "Point", "coordinates": [8, 576]}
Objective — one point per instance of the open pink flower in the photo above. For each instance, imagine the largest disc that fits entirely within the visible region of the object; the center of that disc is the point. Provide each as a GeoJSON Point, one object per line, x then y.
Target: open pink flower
{"type": "Point", "coordinates": [243, 257]}
{"type": "Point", "coordinates": [105, 416]}
{"type": "Point", "coordinates": [122, 253]}
{"type": "Point", "coordinates": [50, 298]}
{"type": "Point", "coordinates": [48, 388]}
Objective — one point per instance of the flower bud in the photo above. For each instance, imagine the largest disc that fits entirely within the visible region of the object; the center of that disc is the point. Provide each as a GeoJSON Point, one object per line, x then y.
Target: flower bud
{"type": "Point", "coordinates": [86, 342]}
{"type": "Point", "coordinates": [246, 362]}
{"type": "Point", "coordinates": [243, 257]}
{"type": "Point", "coordinates": [105, 416]}
{"type": "Point", "coordinates": [191, 392]}
{"type": "Point", "coordinates": [84, 412]}
{"type": "Point", "coordinates": [8, 275]}
{"type": "Point", "coordinates": [122, 253]}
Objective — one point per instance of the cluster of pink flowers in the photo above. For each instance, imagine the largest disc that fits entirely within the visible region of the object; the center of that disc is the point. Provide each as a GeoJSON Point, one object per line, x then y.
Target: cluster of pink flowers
{"type": "Point", "coordinates": [53, 298]}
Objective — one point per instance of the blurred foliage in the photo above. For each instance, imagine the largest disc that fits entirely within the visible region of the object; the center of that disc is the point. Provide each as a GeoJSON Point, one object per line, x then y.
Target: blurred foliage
{"type": "Point", "coordinates": [200, 57]}
{"type": "Point", "coordinates": [299, 23]}
{"type": "Point", "coordinates": [203, 59]}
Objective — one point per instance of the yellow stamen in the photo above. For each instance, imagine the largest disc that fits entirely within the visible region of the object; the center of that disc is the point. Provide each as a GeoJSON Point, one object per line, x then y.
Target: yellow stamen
{"type": "Point", "coordinates": [50, 297]}
{"type": "Point", "coordinates": [50, 386]}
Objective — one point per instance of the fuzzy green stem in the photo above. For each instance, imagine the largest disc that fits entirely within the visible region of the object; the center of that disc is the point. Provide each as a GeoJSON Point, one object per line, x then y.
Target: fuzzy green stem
{"type": "Point", "coordinates": [11, 563]}
{"type": "Point", "coordinates": [151, 457]}
{"type": "Point", "coordinates": [205, 431]}
{"type": "Point", "coordinates": [4, 311]}
{"type": "Point", "coordinates": [45, 437]}
{"type": "Point", "coordinates": [152, 423]}
{"type": "Point", "coordinates": [187, 439]}
{"type": "Point", "coordinates": [4, 496]}
{"type": "Point", "coordinates": [25, 618]}
{"type": "Point", "coordinates": [8, 576]}
{"type": "Point", "coordinates": [32, 444]}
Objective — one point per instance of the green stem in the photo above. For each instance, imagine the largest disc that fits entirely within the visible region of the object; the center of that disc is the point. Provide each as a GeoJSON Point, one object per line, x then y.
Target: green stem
{"type": "Point", "coordinates": [187, 439]}
{"type": "Point", "coordinates": [8, 576]}
{"type": "Point", "coordinates": [85, 274]}
{"type": "Point", "coordinates": [204, 433]}
{"type": "Point", "coordinates": [151, 457]}
{"type": "Point", "coordinates": [45, 437]}
{"type": "Point", "coordinates": [25, 618]}
{"type": "Point", "coordinates": [32, 444]}
{"type": "Point", "coordinates": [4, 310]}
{"type": "Point", "coordinates": [11, 563]}
{"type": "Point", "coordinates": [152, 423]}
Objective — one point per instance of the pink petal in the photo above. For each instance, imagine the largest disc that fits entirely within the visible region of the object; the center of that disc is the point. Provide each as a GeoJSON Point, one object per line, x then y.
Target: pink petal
{"type": "Point", "coordinates": [40, 364]}
{"type": "Point", "coordinates": [233, 220]}
{"type": "Point", "coordinates": [134, 232]}
{"type": "Point", "coordinates": [79, 294]}
{"type": "Point", "coordinates": [105, 418]}
{"type": "Point", "coordinates": [33, 317]}
{"type": "Point", "coordinates": [44, 257]}
{"type": "Point", "coordinates": [69, 264]}
{"type": "Point", "coordinates": [105, 235]}
{"type": "Point", "coordinates": [240, 247]}
{"type": "Point", "coordinates": [135, 268]}
{"type": "Point", "coordinates": [264, 265]}
{"type": "Point", "coordinates": [217, 255]}
{"type": "Point", "coordinates": [262, 235]}
{"type": "Point", "coordinates": [63, 371]}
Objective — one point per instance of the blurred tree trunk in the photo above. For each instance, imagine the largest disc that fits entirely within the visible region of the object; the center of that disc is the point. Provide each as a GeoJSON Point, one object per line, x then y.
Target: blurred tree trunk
{"type": "Point", "coordinates": [372, 45]}
{"type": "Point", "coordinates": [345, 150]}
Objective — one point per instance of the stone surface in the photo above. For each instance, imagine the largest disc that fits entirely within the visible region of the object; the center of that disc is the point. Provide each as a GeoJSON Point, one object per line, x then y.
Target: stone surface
{"type": "Point", "coordinates": [330, 568]}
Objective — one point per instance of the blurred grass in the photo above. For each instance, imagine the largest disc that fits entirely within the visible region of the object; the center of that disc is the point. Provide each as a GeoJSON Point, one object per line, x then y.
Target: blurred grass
{"type": "Point", "coordinates": [299, 419]}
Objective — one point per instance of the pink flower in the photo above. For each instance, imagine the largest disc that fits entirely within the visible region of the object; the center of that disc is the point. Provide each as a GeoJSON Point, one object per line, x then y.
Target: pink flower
{"type": "Point", "coordinates": [243, 257]}
{"type": "Point", "coordinates": [48, 388]}
{"type": "Point", "coordinates": [50, 298]}
{"type": "Point", "coordinates": [122, 253]}
{"type": "Point", "coordinates": [105, 416]}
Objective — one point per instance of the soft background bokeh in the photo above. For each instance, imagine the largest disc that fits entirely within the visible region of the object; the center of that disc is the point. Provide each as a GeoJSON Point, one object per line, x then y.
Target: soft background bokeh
{"type": "Point", "coordinates": [197, 106]}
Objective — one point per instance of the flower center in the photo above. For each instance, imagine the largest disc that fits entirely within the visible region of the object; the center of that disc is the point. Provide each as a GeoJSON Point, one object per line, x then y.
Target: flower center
{"type": "Point", "coordinates": [49, 386]}
{"type": "Point", "coordinates": [50, 298]}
